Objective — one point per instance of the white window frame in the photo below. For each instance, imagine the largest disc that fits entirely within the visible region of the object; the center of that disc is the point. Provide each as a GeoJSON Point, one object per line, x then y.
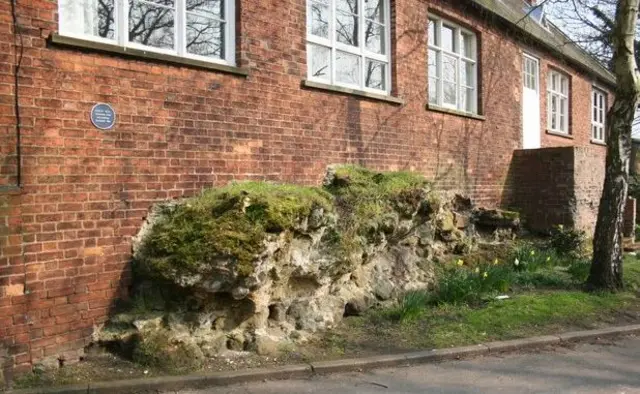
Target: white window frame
{"type": "Point", "coordinates": [361, 51]}
{"type": "Point", "coordinates": [531, 76]}
{"type": "Point", "coordinates": [598, 115]}
{"type": "Point", "coordinates": [458, 32]}
{"type": "Point", "coordinates": [562, 99]}
{"type": "Point", "coordinates": [121, 28]}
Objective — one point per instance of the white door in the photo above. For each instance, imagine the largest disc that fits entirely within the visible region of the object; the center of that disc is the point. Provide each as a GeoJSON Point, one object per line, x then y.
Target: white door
{"type": "Point", "coordinates": [530, 103]}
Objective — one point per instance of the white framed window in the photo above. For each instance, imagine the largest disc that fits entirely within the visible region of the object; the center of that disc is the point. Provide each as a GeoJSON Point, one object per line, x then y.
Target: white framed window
{"type": "Point", "coordinates": [598, 115]}
{"type": "Point", "coordinates": [452, 66]}
{"type": "Point", "coordinates": [348, 43]}
{"type": "Point", "coordinates": [558, 102]}
{"type": "Point", "coordinates": [198, 29]}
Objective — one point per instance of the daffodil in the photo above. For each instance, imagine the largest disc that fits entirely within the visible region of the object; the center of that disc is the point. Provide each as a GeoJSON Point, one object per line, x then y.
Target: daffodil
{"type": "Point", "coordinates": [460, 263]}
{"type": "Point", "coordinates": [495, 262]}
{"type": "Point", "coordinates": [485, 275]}
{"type": "Point", "coordinates": [477, 270]}
{"type": "Point", "coordinates": [516, 262]}
{"type": "Point", "coordinates": [533, 253]}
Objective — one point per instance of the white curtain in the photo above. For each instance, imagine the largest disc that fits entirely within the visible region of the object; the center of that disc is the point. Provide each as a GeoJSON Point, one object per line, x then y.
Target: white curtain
{"type": "Point", "coordinates": [79, 17]}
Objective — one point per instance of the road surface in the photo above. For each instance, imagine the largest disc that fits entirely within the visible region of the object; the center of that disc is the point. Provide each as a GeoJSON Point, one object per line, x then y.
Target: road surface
{"type": "Point", "coordinates": [605, 367]}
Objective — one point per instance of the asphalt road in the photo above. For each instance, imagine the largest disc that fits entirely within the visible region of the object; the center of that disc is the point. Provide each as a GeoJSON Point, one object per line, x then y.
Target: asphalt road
{"type": "Point", "coordinates": [612, 367]}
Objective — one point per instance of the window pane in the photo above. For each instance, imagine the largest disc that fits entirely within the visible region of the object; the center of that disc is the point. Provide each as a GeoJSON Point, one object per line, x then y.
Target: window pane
{"type": "Point", "coordinates": [374, 37]}
{"type": "Point", "coordinates": [433, 91]}
{"type": "Point", "coordinates": [449, 67]}
{"type": "Point", "coordinates": [349, 6]}
{"type": "Point", "coordinates": [564, 85]}
{"type": "Point", "coordinates": [374, 9]}
{"type": "Point", "coordinates": [211, 8]}
{"type": "Point", "coordinates": [466, 96]}
{"type": "Point", "coordinates": [467, 46]}
{"type": "Point", "coordinates": [347, 68]}
{"type": "Point", "coordinates": [88, 17]}
{"type": "Point", "coordinates": [151, 25]}
{"type": "Point", "coordinates": [447, 38]}
{"type": "Point", "coordinates": [467, 74]}
{"type": "Point", "coordinates": [432, 32]}
{"type": "Point", "coordinates": [347, 28]}
{"type": "Point", "coordinates": [320, 15]}
{"type": "Point", "coordinates": [375, 75]}
{"type": "Point", "coordinates": [205, 36]}
{"type": "Point", "coordinates": [432, 61]}
{"type": "Point", "coordinates": [320, 58]}
{"type": "Point", "coordinates": [449, 93]}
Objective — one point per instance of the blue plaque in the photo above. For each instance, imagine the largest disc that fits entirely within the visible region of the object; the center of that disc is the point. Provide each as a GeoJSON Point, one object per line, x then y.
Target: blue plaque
{"type": "Point", "coordinates": [103, 116]}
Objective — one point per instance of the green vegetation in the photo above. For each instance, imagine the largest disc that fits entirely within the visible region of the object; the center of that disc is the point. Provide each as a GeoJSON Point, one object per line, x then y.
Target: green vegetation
{"type": "Point", "coordinates": [411, 306]}
{"type": "Point", "coordinates": [462, 311]}
{"type": "Point", "coordinates": [524, 315]}
{"type": "Point", "coordinates": [367, 201]}
{"type": "Point", "coordinates": [158, 351]}
{"type": "Point", "coordinates": [230, 222]}
{"type": "Point", "coordinates": [570, 243]}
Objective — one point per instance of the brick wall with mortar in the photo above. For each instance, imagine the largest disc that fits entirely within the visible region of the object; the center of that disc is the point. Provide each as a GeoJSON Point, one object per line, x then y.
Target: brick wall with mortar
{"type": "Point", "coordinates": [86, 192]}
{"type": "Point", "coordinates": [560, 185]}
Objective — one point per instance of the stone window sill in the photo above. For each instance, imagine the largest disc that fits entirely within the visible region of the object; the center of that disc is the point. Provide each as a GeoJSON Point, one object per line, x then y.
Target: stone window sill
{"type": "Point", "coordinates": [10, 190]}
{"type": "Point", "coordinates": [71, 42]}
{"type": "Point", "coordinates": [454, 112]}
{"type": "Point", "coordinates": [353, 92]}
{"type": "Point", "coordinates": [558, 134]}
{"type": "Point", "coordinates": [597, 142]}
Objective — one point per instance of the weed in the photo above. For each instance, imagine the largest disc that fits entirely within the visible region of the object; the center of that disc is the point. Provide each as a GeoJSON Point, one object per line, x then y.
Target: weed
{"type": "Point", "coordinates": [412, 305]}
{"type": "Point", "coordinates": [568, 242]}
{"type": "Point", "coordinates": [579, 270]}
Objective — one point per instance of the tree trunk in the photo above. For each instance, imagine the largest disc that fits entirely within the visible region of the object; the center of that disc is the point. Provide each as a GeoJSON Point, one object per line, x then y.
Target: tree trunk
{"type": "Point", "coordinates": [606, 268]}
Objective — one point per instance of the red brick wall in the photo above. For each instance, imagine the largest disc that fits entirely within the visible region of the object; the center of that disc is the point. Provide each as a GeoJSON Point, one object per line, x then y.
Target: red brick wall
{"type": "Point", "coordinates": [561, 185]}
{"type": "Point", "coordinates": [630, 218]}
{"type": "Point", "coordinates": [180, 129]}
{"type": "Point", "coordinates": [543, 187]}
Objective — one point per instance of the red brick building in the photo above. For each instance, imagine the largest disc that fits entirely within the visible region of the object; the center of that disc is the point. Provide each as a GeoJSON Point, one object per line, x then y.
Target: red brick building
{"type": "Point", "coordinates": [208, 91]}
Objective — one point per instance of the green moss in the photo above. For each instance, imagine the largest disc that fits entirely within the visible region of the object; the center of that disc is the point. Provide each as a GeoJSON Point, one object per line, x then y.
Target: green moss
{"type": "Point", "coordinates": [510, 215]}
{"type": "Point", "coordinates": [229, 222]}
{"type": "Point", "coordinates": [158, 350]}
{"type": "Point", "coordinates": [365, 200]}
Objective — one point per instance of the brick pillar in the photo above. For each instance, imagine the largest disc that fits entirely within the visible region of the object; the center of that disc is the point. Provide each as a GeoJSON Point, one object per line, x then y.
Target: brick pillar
{"type": "Point", "coordinates": [630, 218]}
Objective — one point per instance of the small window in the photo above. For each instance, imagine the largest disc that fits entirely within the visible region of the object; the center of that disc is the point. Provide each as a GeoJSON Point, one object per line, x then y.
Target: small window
{"type": "Point", "coordinates": [558, 102]}
{"type": "Point", "coordinates": [598, 115]}
{"type": "Point", "coordinates": [202, 29]}
{"type": "Point", "coordinates": [348, 43]}
{"type": "Point", "coordinates": [452, 66]}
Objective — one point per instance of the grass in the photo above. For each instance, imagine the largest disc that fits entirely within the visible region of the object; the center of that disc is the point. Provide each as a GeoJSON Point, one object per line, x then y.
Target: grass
{"type": "Point", "coordinates": [524, 315]}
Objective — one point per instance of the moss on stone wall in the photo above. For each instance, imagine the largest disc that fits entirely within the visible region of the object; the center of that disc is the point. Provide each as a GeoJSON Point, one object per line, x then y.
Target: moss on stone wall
{"type": "Point", "coordinates": [224, 229]}
{"type": "Point", "coordinates": [229, 223]}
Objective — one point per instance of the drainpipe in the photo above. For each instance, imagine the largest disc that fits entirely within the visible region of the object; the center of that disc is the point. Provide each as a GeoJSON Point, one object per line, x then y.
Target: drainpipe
{"type": "Point", "coordinates": [18, 55]}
